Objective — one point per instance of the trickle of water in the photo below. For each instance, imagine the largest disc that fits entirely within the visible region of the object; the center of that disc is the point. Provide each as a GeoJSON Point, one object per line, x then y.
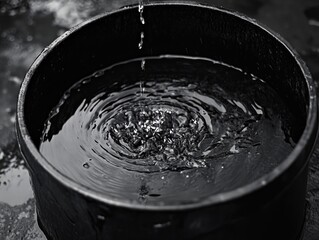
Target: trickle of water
{"type": "Point", "coordinates": [140, 44]}
{"type": "Point", "coordinates": [199, 128]}
{"type": "Point", "coordinates": [141, 10]}
{"type": "Point", "coordinates": [142, 89]}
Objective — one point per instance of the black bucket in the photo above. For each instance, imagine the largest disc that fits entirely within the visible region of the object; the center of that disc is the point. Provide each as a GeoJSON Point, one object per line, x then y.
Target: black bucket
{"type": "Point", "coordinates": [271, 207]}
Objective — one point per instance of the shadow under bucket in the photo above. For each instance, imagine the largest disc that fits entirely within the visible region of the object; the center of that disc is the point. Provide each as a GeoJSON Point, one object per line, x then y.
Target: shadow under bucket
{"type": "Point", "coordinates": [267, 201]}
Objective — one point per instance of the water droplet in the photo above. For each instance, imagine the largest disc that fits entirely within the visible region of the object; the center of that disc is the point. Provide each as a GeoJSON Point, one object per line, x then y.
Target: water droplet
{"type": "Point", "coordinates": [140, 44]}
{"type": "Point", "coordinates": [13, 119]}
{"type": "Point", "coordinates": [98, 73]}
{"type": "Point", "coordinates": [100, 217]}
{"type": "Point", "coordinates": [141, 10]}
{"type": "Point", "coordinates": [15, 80]}
{"type": "Point", "coordinates": [143, 64]}
{"type": "Point", "coordinates": [86, 165]}
{"type": "Point", "coordinates": [162, 225]}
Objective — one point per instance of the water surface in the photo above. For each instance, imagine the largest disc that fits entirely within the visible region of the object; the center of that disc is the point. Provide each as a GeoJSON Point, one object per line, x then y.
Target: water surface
{"type": "Point", "coordinates": [196, 128]}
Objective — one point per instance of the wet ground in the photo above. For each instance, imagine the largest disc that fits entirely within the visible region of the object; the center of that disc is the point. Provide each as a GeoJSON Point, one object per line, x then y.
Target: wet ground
{"type": "Point", "coordinates": [26, 27]}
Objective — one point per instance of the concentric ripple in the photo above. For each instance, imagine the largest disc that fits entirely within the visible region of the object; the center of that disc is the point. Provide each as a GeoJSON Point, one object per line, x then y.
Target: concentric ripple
{"type": "Point", "coordinates": [165, 129]}
{"type": "Point", "coordinates": [188, 115]}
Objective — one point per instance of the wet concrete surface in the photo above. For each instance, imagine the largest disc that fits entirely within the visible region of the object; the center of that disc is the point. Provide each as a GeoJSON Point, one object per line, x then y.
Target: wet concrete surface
{"type": "Point", "coordinates": [27, 26]}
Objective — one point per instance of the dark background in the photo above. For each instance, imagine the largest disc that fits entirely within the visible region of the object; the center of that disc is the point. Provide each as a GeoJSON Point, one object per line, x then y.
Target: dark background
{"type": "Point", "coordinates": [27, 26]}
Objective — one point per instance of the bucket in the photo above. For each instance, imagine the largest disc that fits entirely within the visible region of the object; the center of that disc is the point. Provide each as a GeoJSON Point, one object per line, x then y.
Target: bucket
{"type": "Point", "coordinates": [270, 207]}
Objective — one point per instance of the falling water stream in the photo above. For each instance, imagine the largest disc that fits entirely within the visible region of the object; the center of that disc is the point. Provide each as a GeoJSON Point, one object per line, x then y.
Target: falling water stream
{"type": "Point", "coordinates": [141, 43]}
{"type": "Point", "coordinates": [200, 127]}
